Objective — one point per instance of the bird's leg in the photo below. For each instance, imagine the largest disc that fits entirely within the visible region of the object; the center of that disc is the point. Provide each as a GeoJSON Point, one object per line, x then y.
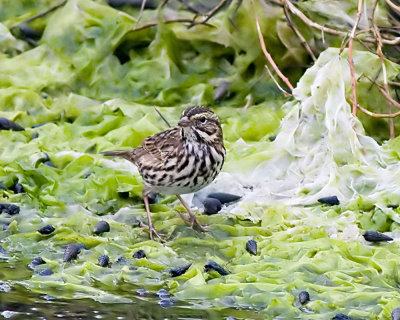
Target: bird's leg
{"type": "Point", "coordinates": [152, 231]}
{"type": "Point", "coordinates": [193, 219]}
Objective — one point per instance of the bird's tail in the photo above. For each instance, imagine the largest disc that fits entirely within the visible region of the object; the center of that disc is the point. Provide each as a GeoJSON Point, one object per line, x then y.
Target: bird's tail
{"type": "Point", "coordinates": [126, 154]}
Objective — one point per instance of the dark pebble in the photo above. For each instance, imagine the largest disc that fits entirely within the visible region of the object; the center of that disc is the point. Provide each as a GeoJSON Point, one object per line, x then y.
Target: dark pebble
{"type": "Point", "coordinates": [87, 174]}
{"type": "Point", "coordinates": [11, 209]}
{"type": "Point", "coordinates": [38, 125]}
{"type": "Point", "coordinates": [165, 303]}
{"type": "Point", "coordinates": [2, 186]}
{"type": "Point", "coordinates": [72, 251]}
{"type": "Point", "coordinates": [396, 314]}
{"type": "Point", "coordinates": [142, 292]}
{"type": "Point", "coordinates": [124, 194]}
{"type": "Point", "coordinates": [47, 229]}
{"type": "Point", "coordinates": [3, 251]}
{"type": "Point", "coordinates": [212, 265]}
{"type": "Point", "coordinates": [222, 90]}
{"type": "Point", "coordinates": [139, 254]}
{"type": "Point", "coordinates": [48, 297]}
{"type": "Point", "coordinates": [35, 135]}
{"type": "Point", "coordinates": [101, 226]}
{"type": "Point", "coordinates": [18, 188]}
{"type": "Point", "coordinates": [176, 272]}
{"type": "Point", "coordinates": [149, 4]}
{"type": "Point", "coordinates": [375, 236]}
{"type": "Point", "coordinates": [224, 197]}
{"type": "Point", "coordinates": [28, 32]}
{"type": "Point", "coordinates": [212, 206]}
{"type": "Point", "coordinates": [104, 260]}
{"type": "Point", "coordinates": [46, 272]}
{"type": "Point", "coordinates": [393, 206]}
{"type": "Point", "coordinates": [153, 198]}
{"type": "Point", "coordinates": [162, 293]}
{"type": "Point", "coordinates": [49, 163]}
{"type": "Point", "coordinates": [272, 138]}
{"type": "Point", "coordinates": [35, 262]}
{"type": "Point", "coordinates": [133, 268]}
{"type": "Point", "coordinates": [304, 297]}
{"type": "Point", "coordinates": [122, 260]}
{"type": "Point", "coordinates": [332, 201]}
{"type": "Point", "coordinates": [251, 247]}
{"type": "Point", "coordinates": [341, 316]}
{"type": "Point", "coordinates": [6, 124]}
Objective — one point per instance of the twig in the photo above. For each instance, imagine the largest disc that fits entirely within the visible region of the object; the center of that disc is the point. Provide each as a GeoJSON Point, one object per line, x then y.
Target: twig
{"type": "Point", "coordinates": [141, 12]}
{"type": "Point", "coordinates": [42, 14]}
{"type": "Point", "coordinates": [379, 52]}
{"type": "Point", "coordinates": [285, 93]}
{"type": "Point", "coordinates": [379, 115]}
{"type": "Point", "coordinates": [267, 55]}
{"type": "Point", "coordinates": [155, 23]}
{"type": "Point", "coordinates": [162, 117]}
{"type": "Point", "coordinates": [212, 12]}
{"type": "Point", "coordinates": [299, 35]}
{"type": "Point", "coordinates": [351, 62]}
{"type": "Point", "coordinates": [393, 6]}
{"type": "Point", "coordinates": [395, 84]}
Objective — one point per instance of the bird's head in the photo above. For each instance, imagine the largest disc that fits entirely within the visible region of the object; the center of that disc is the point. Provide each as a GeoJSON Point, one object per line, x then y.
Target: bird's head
{"type": "Point", "coordinates": [200, 124]}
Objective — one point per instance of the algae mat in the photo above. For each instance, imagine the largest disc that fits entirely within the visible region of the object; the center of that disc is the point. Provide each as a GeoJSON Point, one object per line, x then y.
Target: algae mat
{"type": "Point", "coordinates": [88, 97]}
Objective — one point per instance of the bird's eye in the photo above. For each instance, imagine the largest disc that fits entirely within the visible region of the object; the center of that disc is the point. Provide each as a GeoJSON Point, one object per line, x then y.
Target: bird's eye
{"type": "Point", "coordinates": [202, 119]}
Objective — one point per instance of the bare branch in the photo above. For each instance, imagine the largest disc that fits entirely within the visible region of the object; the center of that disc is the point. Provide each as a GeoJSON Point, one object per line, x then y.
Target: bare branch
{"type": "Point", "coordinates": [285, 93]}
{"type": "Point", "coordinates": [213, 11]}
{"type": "Point", "coordinates": [155, 23]}
{"type": "Point", "coordinates": [351, 62]}
{"type": "Point", "coordinates": [267, 54]}
{"type": "Point", "coordinates": [378, 115]}
{"type": "Point", "coordinates": [42, 14]}
{"type": "Point", "coordinates": [303, 41]}
{"type": "Point", "coordinates": [393, 6]}
{"type": "Point", "coordinates": [162, 117]}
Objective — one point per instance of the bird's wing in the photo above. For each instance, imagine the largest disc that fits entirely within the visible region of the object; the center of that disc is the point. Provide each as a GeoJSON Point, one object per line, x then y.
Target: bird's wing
{"type": "Point", "coordinates": [163, 144]}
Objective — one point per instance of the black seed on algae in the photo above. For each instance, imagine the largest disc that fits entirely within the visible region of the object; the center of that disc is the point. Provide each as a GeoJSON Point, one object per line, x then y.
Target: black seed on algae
{"type": "Point", "coordinates": [11, 209]}
{"type": "Point", "coordinates": [393, 206]}
{"type": "Point", "coordinates": [212, 206]}
{"type": "Point", "coordinates": [222, 90]}
{"type": "Point", "coordinates": [122, 260]}
{"type": "Point", "coordinates": [212, 265]}
{"type": "Point", "coordinates": [18, 188]}
{"type": "Point", "coordinates": [6, 124]}
{"type": "Point", "coordinates": [341, 316]}
{"type": "Point", "coordinates": [46, 272]}
{"type": "Point", "coordinates": [251, 247]}
{"type": "Point", "coordinates": [139, 254]}
{"type": "Point", "coordinates": [49, 164]}
{"type": "Point", "coordinates": [176, 272]}
{"type": "Point", "coordinates": [304, 297]}
{"type": "Point", "coordinates": [153, 198]}
{"type": "Point", "coordinates": [104, 260]}
{"type": "Point", "coordinates": [396, 314]}
{"type": "Point", "coordinates": [123, 194]}
{"type": "Point", "coordinates": [72, 250]}
{"type": "Point", "coordinates": [149, 4]}
{"type": "Point", "coordinates": [375, 236]}
{"type": "Point", "coordinates": [3, 251]}
{"type": "Point", "coordinates": [142, 292]}
{"type": "Point", "coordinates": [165, 303]}
{"type": "Point", "coordinates": [101, 226]}
{"type": "Point", "coordinates": [35, 262]}
{"type": "Point", "coordinates": [2, 186]}
{"type": "Point", "coordinates": [332, 201]}
{"type": "Point", "coordinates": [47, 229]}
{"type": "Point", "coordinates": [272, 138]}
{"type": "Point", "coordinates": [162, 293]}
{"type": "Point", "coordinates": [224, 197]}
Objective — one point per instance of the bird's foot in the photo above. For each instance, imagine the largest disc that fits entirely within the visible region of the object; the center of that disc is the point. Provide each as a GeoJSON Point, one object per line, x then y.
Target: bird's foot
{"type": "Point", "coordinates": [153, 232]}
{"type": "Point", "coordinates": [192, 220]}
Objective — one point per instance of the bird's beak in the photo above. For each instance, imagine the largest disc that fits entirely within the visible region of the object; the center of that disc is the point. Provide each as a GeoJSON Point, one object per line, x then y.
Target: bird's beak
{"type": "Point", "coordinates": [184, 122]}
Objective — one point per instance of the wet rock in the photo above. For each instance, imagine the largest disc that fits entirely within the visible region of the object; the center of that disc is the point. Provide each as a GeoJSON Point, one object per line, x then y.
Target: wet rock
{"type": "Point", "coordinates": [393, 206]}
{"type": "Point", "coordinates": [224, 197]}
{"type": "Point", "coordinates": [139, 254]}
{"type": "Point", "coordinates": [251, 247]}
{"type": "Point", "coordinates": [49, 163]}
{"type": "Point", "coordinates": [341, 316]}
{"type": "Point", "coordinates": [222, 90]}
{"type": "Point", "coordinates": [45, 272]}
{"type": "Point", "coordinates": [332, 201]}
{"type": "Point", "coordinates": [36, 262]}
{"type": "Point", "coordinates": [104, 261]}
{"type": "Point", "coordinates": [100, 227]}
{"type": "Point", "coordinates": [72, 250]}
{"type": "Point", "coordinates": [149, 4]}
{"type": "Point", "coordinates": [11, 209]}
{"type": "Point", "coordinates": [396, 314]}
{"type": "Point", "coordinates": [6, 124]}
{"type": "Point", "coordinates": [304, 297]}
{"type": "Point", "coordinates": [375, 236]}
{"type": "Point", "coordinates": [142, 292]}
{"type": "Point", "coordinates": [18, 188]}
{"type": "Point", "coordinates": [212, 206]}
{"type": "Point", "coordinates": [212, 265]}
{"type": "Point", "coordinates": [162, 293]}
{"type": "Point", "coordinates": [272, 138]}
{"type": "Point", "coordinates": [165, 303]}
{"type": "Point", "coordinates": [176, 272]}
{"type": "Point", "coordinates": [47, 229]}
